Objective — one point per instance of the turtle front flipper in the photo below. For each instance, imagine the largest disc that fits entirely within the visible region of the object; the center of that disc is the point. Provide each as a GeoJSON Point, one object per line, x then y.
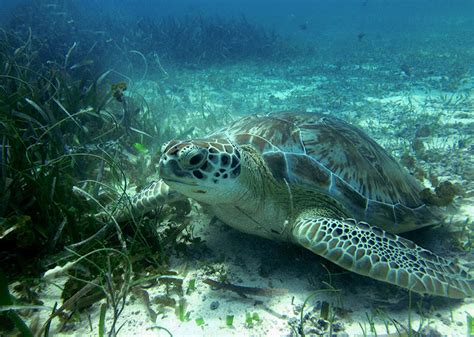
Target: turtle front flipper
{"type": "Point", "coordinates": [370, 251]}
{"type": "Point", "coordinates": [158, 193]}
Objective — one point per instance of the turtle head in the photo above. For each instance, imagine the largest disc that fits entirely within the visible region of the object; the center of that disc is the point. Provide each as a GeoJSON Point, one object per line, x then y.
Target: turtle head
{"type": "Point", "coordinates": [206, 170]}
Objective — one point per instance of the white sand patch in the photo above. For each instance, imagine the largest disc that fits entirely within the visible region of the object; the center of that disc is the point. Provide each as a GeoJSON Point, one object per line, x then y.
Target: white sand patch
{"type": "Point", "coordinates": [254, 262]}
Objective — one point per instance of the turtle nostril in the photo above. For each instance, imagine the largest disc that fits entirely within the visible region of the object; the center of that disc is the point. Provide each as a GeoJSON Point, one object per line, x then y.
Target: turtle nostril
{"type": "Point", "coordinates": [196, 159]}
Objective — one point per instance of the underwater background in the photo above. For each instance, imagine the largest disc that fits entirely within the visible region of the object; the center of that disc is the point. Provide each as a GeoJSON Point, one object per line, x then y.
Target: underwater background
{"type": "Point", "coordinates": [91, 90]}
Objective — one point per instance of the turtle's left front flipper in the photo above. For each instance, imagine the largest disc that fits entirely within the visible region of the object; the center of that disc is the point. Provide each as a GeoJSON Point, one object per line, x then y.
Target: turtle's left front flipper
{"type": "Point", "coordinates": [370, 251]}
{"type": "Point", "coordinates": [155, 195]}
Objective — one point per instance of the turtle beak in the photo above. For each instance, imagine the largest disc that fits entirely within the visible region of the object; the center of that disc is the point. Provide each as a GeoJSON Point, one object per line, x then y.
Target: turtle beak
{"type": "Point", "coordinates": [171, 173]}
{"type": "Point", "coordinates": [170, 169]}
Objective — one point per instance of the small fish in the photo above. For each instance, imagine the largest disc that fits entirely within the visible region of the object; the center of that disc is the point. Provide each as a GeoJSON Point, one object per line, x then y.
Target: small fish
{"type": "Point", "coordinates": [360, 36]}
{"type": "Point", "coordinates": [81, 64]}
{"type": "Point", "coordinates": [243, 291]}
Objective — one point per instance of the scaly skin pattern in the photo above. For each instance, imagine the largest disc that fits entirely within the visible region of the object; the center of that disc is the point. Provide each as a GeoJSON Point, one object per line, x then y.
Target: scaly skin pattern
{"type": "Point", "coordinates": [258, 177]}
{"type": "Point", "coordinates": [151, 197]}
{"type": "Point", "coordinates": [373, 252]}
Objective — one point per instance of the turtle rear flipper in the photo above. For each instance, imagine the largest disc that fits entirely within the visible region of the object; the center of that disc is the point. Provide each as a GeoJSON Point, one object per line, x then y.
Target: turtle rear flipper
{"type": "Point", "coordinates": [370, 251]}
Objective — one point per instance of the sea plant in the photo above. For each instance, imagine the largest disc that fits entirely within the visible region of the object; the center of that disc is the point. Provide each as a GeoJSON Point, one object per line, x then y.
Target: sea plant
{"type": "Point", "coordinates": [191, 40]}
{"type": "Point", "coordinates": [62, 135]}
{"type": "Point", "coordinates": [181, 310]}
{"type": "Point", "coordinates": [199, 321]}
{"type": "Point", "coordinates": [8, 314]}
{"type": "Point", "coordinates": [229, 320]}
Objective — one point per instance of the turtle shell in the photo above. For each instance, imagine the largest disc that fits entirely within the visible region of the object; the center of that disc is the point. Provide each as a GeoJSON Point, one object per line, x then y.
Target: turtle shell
{"type": "Point", "coordinates": [326, 154]}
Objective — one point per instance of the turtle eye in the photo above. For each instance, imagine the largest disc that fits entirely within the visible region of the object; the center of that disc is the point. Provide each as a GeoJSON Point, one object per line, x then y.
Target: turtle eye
{"type": "Point", "coordinates": [196, 159]}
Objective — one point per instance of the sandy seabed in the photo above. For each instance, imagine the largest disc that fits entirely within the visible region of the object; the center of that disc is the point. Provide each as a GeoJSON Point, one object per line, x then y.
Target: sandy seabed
{"type": "Point", "coordinates": [254, 262]}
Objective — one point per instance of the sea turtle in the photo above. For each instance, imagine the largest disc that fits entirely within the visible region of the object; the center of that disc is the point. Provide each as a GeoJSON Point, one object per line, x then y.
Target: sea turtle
{"type": "Point", "coordinates": [316, 181]}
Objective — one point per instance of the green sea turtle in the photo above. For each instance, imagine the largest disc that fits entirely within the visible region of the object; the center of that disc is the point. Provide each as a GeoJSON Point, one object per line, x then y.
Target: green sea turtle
{"type": "Point", "coordinates": [316, 181]}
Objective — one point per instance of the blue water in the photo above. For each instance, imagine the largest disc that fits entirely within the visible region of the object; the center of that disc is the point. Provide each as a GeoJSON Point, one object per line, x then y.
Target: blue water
{"type": "Point", "coordinates": [405, 30]}
{"type": "Point", "coordinates": [337, 15]}
{"type": "Point", "coordinates": [90, 90]}
{"type": "Point", "coordinates": [344, 17]}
